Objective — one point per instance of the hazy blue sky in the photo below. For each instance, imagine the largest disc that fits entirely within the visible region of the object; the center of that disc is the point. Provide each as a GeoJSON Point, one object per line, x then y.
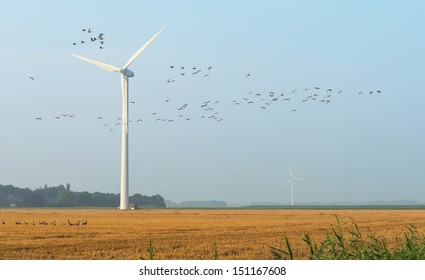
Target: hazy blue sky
{"type": "Point", "coordinates": [359, 147]}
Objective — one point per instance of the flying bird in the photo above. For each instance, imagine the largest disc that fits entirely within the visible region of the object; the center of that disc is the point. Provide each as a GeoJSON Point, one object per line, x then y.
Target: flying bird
{"type": "Point", "coordinates": [32, 78]}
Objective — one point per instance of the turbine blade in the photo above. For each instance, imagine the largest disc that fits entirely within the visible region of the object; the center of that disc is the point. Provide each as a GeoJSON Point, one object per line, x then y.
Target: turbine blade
{"type": "Point", "coordinates": [289, 181]}
{"type": "Point", "coordinates": [290, 173]}
{"type": "Point", "coordinates": [100, 64]}
{"type": "Point", "coordinates": [297, 178]}
{"type": "Point", "coordinates": [130, 61]}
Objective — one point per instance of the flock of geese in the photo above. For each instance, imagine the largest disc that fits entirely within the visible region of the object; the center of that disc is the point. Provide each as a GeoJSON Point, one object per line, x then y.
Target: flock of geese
{"type": "Point", "coordinates": [176, 111]}
{"type": "Point", "coordinates": [91, 38]}
{"type": "Point", "coordinates": [44, 223]}
{"type": "Point", "coordinates": [265, 100]}
{"type": "Point", "coordinates": [208, 109]}
{"type": "Point", "coordinates": [184, 71]}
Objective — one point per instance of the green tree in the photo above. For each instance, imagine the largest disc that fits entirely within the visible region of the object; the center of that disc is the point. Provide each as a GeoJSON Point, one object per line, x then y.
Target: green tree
{"type": "Point", "coordinates": [66, 198]}
{"type": "Point", "coordinates": [83, 199]}
{"type": "Point", "coordinates": [35, 199]}
{"type": "Point", "coordinates": [4, 201]}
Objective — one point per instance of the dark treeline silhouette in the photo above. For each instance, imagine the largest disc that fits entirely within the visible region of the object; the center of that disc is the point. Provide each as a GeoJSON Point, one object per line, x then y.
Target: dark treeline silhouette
{"type": "Point", "coordinates": [63, 196]}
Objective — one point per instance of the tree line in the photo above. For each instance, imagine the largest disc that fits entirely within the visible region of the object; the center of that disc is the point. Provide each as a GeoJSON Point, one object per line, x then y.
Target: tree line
{"type": "Point", "coordinates": [63, 196]}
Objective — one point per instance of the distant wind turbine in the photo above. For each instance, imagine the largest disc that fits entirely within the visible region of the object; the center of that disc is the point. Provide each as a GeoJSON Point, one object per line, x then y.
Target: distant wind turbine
{"type": "Point", "coordinates": [291, 180]}
{"type": "Point", "coordinates": [125, 73]}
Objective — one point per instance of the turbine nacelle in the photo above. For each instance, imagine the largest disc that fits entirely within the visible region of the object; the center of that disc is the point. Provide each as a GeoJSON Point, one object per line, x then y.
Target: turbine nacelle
{"type": "Point", "coordinates": [127, 72]}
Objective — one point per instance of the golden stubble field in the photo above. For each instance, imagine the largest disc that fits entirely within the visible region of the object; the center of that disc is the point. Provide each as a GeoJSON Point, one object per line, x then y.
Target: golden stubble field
{"type": "Point", "coordinates": [179, 234]}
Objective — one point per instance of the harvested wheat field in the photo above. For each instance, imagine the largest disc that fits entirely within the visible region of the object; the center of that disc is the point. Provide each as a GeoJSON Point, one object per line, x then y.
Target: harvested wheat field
{"type": "Point", "coordinates": [179, 234]}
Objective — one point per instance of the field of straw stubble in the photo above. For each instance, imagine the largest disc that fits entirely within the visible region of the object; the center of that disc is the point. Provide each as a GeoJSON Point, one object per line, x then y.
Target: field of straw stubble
{"type": "Point", "coordinates": [179, 234]}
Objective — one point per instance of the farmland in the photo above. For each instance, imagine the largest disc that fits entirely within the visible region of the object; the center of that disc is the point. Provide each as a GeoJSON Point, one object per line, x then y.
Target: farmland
{"type": "Point", "coordinates": [181, 233]}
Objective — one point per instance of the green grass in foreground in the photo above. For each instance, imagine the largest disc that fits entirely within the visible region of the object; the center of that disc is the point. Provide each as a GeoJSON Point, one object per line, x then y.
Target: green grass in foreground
{"type": "Point", "coordinates": [344, 241]}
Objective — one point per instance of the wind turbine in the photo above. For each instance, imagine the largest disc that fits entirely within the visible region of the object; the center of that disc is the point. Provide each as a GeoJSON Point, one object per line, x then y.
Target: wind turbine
{"type": "Point", "coordinates": [291, 180]}
{"type": "Point", "coordinates": [125, 73]}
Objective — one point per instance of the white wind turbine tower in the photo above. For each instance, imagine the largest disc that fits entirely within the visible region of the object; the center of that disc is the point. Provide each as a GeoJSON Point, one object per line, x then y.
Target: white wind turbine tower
{"type": "Point", "coordinates": [291, 180]}
{"type": "Point", "coordinates": [125, 73]}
